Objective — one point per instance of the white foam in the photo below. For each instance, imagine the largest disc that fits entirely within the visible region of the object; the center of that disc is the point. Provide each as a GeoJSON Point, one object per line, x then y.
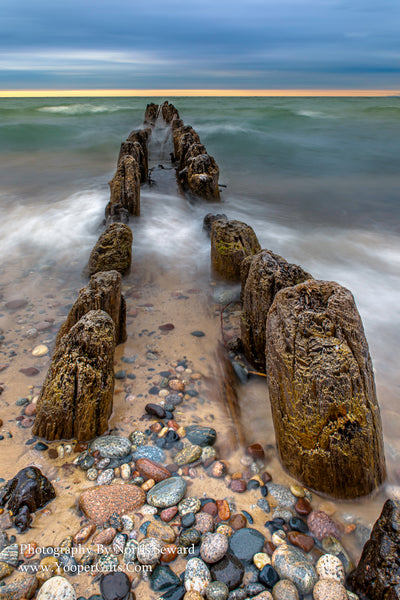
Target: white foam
{"type": "Point", "coordinates": [79, 109]}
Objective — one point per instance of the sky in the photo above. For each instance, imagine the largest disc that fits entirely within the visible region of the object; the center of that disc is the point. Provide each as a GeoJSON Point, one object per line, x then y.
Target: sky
{"type": "Point", "coordinates": [216, 44]}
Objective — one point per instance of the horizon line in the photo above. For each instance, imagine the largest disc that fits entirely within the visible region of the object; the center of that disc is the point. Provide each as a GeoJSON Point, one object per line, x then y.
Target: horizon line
{"type": "Point", "coordinates": [315, 92]}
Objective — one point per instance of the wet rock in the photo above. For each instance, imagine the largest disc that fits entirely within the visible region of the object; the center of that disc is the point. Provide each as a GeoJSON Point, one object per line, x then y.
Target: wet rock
{"type": "Point", "coordinates": [149, 551]}
{"type": "Point", "coordinates": [268, 576]}
{"type": "Point", "coordinates": [189, 537]}
{"type": "Point", "coordinates": [246, 542]}
{"type": "Point", "coordinates": [291, 563]}
{"type": "Point", "coordinates": [130, 551]}
{"type": "Point", "coordinates": [115, 586]}
{"type": "Point", "coordinates": [321, 525]}
{"type": "Point", "coordinates": [231, 242]}
{"type": "Point", "coordinates": [202, 176]}
{"type": "Point", "coordinates": [125, 185]}
{"type": "Point", "coordinates": [262, 276]}
{"type": "Point", "coordinates": [77, 395]}
{"type": "Point", "coordinates": [169, 112]}
{"type": "Point", "coordinates": [187, 455]}
{"type": "Point", "coordinates": [16, 303]}
{"type": "Point", "coordinates": [113, 250]}
{"type": "Point", "coordinates": [112, 446]}
{"type": "Point", "coordinates": [23, 495]}
{"type": "Point", "coordinates": [330, 567]}
{"type": "Point", "coordinates": [5, 570]}
{"type": "Point", "coordinates": [151, 452]}
{"type": "Point", "coordinates": [204, 522]}
{"type": "Point", "coordinates": [183, 138]}
{"type": "Point", "coordinates": [229, 570]}
{"type": "Point", "coordinates": [20, 585]}
{"type": "Point", "coordinates": [377, 574]}
{"type": "Point", "coordinates": [217, 590]}
{"type": "Point", "coordinates": [149, 469]}
{"type": "Point", "coordinates": [332, 546]}
{"type": "Point", "coordinates": [167, 493]}
{"type": "Point", "coordinates": [285, 590]}
{"type": "Point", "coordinates": [155, 409]}
{"type": "Point", "coordinates": [56, 588]}
{"type": "Point", "coordinates": [99, 503]}
{"type": "Point", "coordinates": [141, 137]}
{"type": "Point", "coordinates": [304, 542]}
{"type": "Point", "coordinates": [213, 547]}
{"type": "Point", "coordinates": [209, 220]}
{"type": "Point", "coordinates": [103, 292]}
{"type": "Point", "coordinates": [201, 436]}
{"type": "Point", "coordinates": [84, 534]}
{"type": "Point", "coordinates": [9, 555]}
{"type": "Point", "coordinates": [29, 371]}
{"type": "Point", "coordinates": [329, 589]}
{"type": "Point", "coordinates": [197, 575]}
{"type": "Point", "coordinates": [322, 390]}
{"type": "Point", "coordinates": [165, 533]}
{"type": "Point", "coordinates": [189, 506]}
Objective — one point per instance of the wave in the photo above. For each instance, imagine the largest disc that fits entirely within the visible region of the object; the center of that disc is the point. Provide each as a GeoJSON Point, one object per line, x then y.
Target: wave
{"type": "Point", "coordinates": [313, 114]}
{"type": "Point", "coordinates": [63, 228]}
{"type": "Point", "coordinates": [81, 109]}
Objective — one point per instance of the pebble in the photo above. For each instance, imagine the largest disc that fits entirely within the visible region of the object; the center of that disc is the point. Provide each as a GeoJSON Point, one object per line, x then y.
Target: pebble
{"type": "Point", "coordinates": [165, 533]}
{"type": "Point", "coordinates": [204, 522]}
{"type": "Point", "coordinates": [118, 543]}
{"type": "Point", "coordinates": [238, 521]}
{"type": "Point", "coordinates": [229, 570]}
{"type": "Point", "coordinates": [264, 596]}
{"type": "Point", "coordinates": [297, 490]}
{"type": "Point", "coordinates": [176, 385]}
{"type": "Point", "coordinates": [30, 410]}
{"type": "Point", "coordinates": [256, 451]}
{"type": "Point", "coordinates": [187, 455]}
{"type": "Point", "coordinates": [5, 570]}
{"type": "Point", "coordinates": [130, 551]}
{"type": "Point", "coordinates": [303, 507]}
{"type": "Point", "coordinates": [213, 547]}
{"type": "Point", "coordinates": [246, 542]}
{"type": "Point", "coordinates": [330, 567]}
{"type": "Point", "coordinates": [268, 576]}
{"type": "Point", "coordinates": [261, 559]}
{"type": "Point", "coordinates": [218, 469]}
{"type": "Point", "coordinates": [197, 575]}
{"type": "Point", "coordinates": [193, 595]}
{"type": "Point", "coordinates": [217, 590]}
{"type": "Point", "coordinates": [329, 589]}
{"type": "Point", "coordinates": [100, 502]}
{"type": "Point", "coordinates": [105, 477]}
{"type": "Point", "coordinates": [10, 554]}
{"type": "Point", "coordinates": [164, 580]}
{"type": "Point", "coordinates": [201, 436]}
{"type": "Point", "coordinates": [189, 537]}
{"type": "Point", "coordinates": [156, 410]}
{"type": "Point", "coordinates": [285, 590]}
{"type": "Point", "coordinates": [304, 542]}
{"type": "Point", "coordinates": [16, 303]}
{"type": "Point", "coordinates": [174, 399]}
{"type": "Point", "coordinates": [239, 486]}
{"type": "Point", "coordinates": [321, 525]}
{"type": "Point", "coordinates": [150, 469]}
{"type": "Point", "coordinates": [264, 505]}
{"type": "Point", "coordinates": [56, 588]}
{"type": "Point", "coordinates": [151, 452]}
{"type": "Point", "coordinates": [112, 446]}
{"type": "Point", "coordinates": [167, 493]}
{"type": "Point", "coordinates": [84, 534]}
{"type": "Point", "coordinates": [29, 371]}
{"type": "Point", "coordinates": [40, 350]}
{"type": "Point", "coordinates": [189, 505]}
{"type": "Point", "coordinates": [126, 471]}
{"type": "Point", "coordinates": [92, 474]}
{"type": "Point", "coordinates": [115, 586]}
{"type": "Point", "coordinates": [291, 563]}
{"type": "Point", "coordinates": [105, 537]}
{"type": "Point", "coordinates": [168, 513]}
{"type": "Point", "coordinates": [149, 551]}
{"type": "Point", "coordinates": [282, 495]}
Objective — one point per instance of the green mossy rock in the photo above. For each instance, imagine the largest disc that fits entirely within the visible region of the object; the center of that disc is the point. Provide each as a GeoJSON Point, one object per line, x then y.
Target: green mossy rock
{"type": "Point", "coordinates": [113, 250]}
{"type": "Point", "coordinates": [231, 242]}
{"type": "Point", "coordinates": [322, 391]}
{"type": "Point", "coordinates": [77, 396]}
{"type": "Point", "coordinates": [103, 292]}
{"type": "Point", "coordinates": [262, 276]}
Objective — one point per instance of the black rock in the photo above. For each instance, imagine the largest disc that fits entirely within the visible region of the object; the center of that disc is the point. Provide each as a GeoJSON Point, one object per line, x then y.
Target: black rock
{"type": "Point", "coordinates": [40, 446]}
{"type": "Point", "coordinates": [245, 543]}
{"type": "Point", "coordinates": [163, 579]}
{"type": "Point", "coordinates": [229, 570]}
{"type": "Point", "coordinates": [115, 586]}
{"type": "Point", "coordinates": [68, 564]}
{"type": "Point", "coordinates": [377, 574]}
{"type": "Point", "coordinates": [197, 333]}
{"type": "Point", "coordinates": [28, 491]}
{"type": "Point", "coordinates": [155, 409]}
{"type": "Point", "coordinates": [298, 524]}
{"type": "Point", "coordinates": [201, 436]}
{"type": "Point", "coordinates": [268, 576]}
{"type": "Point", "coordinates": [188, 519]}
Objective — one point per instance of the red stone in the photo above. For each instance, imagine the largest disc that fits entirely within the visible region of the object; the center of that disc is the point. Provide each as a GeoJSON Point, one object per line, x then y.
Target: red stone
{"type": "Point", "coordinates": [303, 507]}
{"type": "Point", "coordinates": [168, 514]}
{"type": "Point", "coordinates": [269, 548]}
{"type": "Point", "coordinates": [169, 553]}
{"type": "Point", "coordinates": [256, 451]}
{"type": "Point", "coordinates": [237, 521]}
{"type": "Point", "coordinates": [266, 477]}
{"type": "Point", "coordinates": [166, 327]}
{"type": "Point", "coordinates": [210, 508]}
{"type": "Point", "coordinates": [238, 485]}
{"type": "Point", "coordinates": [304, 542]}
{"type": "Point", "coordinates": [149, 469]}
{"type": "Point", "coordinates": [29, 371]}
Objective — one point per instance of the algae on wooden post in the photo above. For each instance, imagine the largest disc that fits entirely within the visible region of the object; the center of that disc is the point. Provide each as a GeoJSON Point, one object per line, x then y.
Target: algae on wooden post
{"type": "Point", "coordinates": [231, 242]}
{"type": "Point", "coordinates": [125, 185]}
{"type": "Point", "coordinates": [263, 275]}
{"type": "Point", "coordinates": [113, 250]}
{"type": "Point", "coordinates": [103, 292]}
{"type": "Point", "coordinates": [77, 396]}
{"type": "Point", "coordinates": [322, 390]}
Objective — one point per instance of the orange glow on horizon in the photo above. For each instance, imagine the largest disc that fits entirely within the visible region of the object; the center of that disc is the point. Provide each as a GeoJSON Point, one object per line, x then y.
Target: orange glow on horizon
{"type": "Point", "coordinates": [196, 93]}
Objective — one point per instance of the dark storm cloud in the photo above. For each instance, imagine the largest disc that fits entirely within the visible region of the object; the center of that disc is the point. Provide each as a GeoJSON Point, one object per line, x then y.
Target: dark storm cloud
{"type": "Point", "coordinates": [263, 43]}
